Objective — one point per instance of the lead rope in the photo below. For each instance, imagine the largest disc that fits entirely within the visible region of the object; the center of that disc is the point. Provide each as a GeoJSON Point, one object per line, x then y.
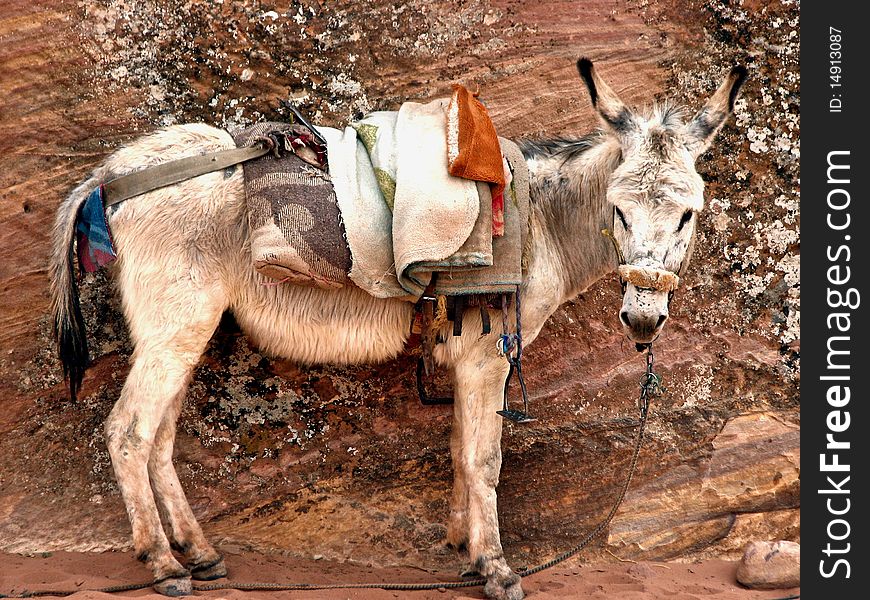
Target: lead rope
{"type": "Point", "coordinates": [650, 386]}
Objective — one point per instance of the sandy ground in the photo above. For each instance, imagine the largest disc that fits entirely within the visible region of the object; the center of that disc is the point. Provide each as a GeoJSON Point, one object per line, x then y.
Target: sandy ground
{"type": "Point", "coordinates": [626, 581]}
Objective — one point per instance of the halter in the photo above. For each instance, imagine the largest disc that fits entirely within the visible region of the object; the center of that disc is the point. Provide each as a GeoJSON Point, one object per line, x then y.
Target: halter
{"type": "Point", "coordinates": [651, 278]}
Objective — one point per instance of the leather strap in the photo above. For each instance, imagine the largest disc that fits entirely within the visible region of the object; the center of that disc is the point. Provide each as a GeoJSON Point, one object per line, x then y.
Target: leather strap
{"type": "Point", "coordinates": [149, 179]}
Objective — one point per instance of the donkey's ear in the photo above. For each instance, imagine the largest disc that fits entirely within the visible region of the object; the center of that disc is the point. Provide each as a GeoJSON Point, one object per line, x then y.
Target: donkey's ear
{"type": "Point", "coordinates": [703, 127]}
{"type": "Point", "coordinates": [615, 115]}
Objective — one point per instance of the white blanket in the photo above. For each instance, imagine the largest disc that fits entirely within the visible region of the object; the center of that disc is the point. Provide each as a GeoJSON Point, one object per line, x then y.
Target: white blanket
{"type": "Point", "coordinates": [368, 222]}
{"type": "Point", "coordinates": [434, 223]}
{"type": "Point", "coordinates": [434, 212]}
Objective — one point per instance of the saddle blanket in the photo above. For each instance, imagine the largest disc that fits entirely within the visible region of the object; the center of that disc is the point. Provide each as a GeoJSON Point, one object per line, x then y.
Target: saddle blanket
{"type": "Point", "coordinates": [397, 217]}
{"type": "Point", "coordinates": [437, 223]}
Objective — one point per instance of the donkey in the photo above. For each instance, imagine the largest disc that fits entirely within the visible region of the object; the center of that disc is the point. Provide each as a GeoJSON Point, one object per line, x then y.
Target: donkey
{"type": "Point", "coordinates": [184, 259]}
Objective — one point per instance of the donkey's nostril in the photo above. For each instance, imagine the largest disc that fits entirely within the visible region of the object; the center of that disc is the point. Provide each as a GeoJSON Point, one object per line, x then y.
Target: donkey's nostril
{"type": "Point", "coordinates": [623, 316]}
{"type": "Point", "coordinates": [661, 321]}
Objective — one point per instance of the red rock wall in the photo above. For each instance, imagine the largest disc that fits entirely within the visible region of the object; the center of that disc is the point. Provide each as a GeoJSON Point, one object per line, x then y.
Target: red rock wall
{"type": "Point", "coordinates": [345, 462]}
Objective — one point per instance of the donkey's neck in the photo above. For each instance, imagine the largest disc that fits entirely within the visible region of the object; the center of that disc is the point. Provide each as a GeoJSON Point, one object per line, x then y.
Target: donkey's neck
{"type": "Point", "coordinates": [568, 188]}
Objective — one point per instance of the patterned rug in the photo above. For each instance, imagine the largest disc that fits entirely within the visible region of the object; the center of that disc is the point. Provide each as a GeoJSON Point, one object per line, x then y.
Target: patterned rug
{"type": "Point", "coordinates": [297, 234]}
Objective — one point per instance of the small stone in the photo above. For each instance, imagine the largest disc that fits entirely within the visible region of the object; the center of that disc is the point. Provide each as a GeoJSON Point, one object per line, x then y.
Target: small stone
{"type": "Point", "coordinates": [770, 565]}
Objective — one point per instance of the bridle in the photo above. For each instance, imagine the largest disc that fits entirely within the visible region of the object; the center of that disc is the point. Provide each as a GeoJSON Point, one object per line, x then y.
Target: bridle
{"type": "Point", "coordinates": [649, 278]}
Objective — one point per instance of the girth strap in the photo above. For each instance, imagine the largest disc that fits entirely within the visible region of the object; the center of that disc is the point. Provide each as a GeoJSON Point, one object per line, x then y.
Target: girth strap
{"type": "Point", "coordinates": [151, 178]}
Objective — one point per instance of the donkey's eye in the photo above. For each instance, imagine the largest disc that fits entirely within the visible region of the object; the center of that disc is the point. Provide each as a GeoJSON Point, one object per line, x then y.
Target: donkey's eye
{"type": "Point", "coordinates": [687, 216]}
{"type": "Point", "coordinates": [621, 217]}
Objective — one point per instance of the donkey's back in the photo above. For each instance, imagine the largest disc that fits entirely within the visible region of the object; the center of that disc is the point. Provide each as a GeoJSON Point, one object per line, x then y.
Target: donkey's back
{"type": "Point", "coordinates": [183, 258]}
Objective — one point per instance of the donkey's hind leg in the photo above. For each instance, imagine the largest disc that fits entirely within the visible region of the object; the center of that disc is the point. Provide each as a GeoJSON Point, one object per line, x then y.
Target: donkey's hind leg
{"type": "Point", "coordinates": [184, 531]}
{"type": "Point", "coordinates": [154, 381]}
{"type": "Point", "coordinates": [171, 326]}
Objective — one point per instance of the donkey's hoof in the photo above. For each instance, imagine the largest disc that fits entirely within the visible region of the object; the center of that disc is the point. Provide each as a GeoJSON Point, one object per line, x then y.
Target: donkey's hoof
{"type": "Point", "coordinates": [209, 571]}
{"type": "Point", "coordinates": [174, 586]}
{"type": "Point", "coordinates": [504, 588]}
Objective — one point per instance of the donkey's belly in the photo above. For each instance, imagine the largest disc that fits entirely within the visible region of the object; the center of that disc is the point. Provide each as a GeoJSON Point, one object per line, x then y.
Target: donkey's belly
{"type": "Point", "coordinates": [344, 326]}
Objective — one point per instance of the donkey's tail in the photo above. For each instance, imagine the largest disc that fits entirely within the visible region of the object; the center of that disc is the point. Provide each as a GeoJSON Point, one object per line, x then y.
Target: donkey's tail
{"type": "Point", "coordinates": [66, 312]}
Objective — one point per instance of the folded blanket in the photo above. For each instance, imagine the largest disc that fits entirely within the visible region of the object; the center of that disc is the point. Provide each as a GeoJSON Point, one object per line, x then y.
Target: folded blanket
{"type": "Point", "coordinates": [370, 224]}
{"type": "Point", "coordinates": [506, 271]}
{"type": "Point", "coordinates": [431, 217]}
{"type": "Point", "coordinates": [473, 150]}
{"type": "Point", "coordinates": [367, 218]}
{"type": "Point", "coordinates": [434, 213]}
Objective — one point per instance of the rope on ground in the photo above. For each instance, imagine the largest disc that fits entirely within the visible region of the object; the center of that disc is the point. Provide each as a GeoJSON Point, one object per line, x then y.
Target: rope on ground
{"type": "Point", "coordinates": [112, 589]}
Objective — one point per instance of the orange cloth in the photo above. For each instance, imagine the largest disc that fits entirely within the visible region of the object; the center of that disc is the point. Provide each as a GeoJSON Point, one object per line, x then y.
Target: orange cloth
{"type": "Point", "coordinates": [473, 151]}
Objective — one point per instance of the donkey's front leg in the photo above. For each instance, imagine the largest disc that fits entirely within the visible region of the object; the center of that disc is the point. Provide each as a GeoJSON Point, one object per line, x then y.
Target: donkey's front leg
{"type": "Point", "coordinates": [476, 447]}
{"type": "Point", "coordinates": [457, 523]}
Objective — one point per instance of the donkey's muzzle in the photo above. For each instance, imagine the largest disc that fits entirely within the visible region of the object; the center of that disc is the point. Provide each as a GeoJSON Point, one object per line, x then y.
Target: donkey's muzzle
{"type": "Point", "coordinates": [643, 326]}
{"type": "Point", "coordinates": [646, 299]}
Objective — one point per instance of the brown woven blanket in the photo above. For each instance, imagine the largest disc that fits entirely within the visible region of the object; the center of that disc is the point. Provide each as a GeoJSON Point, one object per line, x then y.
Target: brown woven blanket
{"type": "Point", "coordinates": [297, 234]}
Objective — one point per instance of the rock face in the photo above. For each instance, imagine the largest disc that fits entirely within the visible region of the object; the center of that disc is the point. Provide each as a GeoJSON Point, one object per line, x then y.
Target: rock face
{"type": "Point", "coordinates": [344, 462]}
{"type": "Point", "coordinates": [770, 565]}
{"type": "Point", "coordinates": [693, 505]}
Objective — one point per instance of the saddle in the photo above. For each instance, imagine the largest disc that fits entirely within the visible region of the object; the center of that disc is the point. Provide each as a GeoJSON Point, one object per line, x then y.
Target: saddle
{"type": "Point", "coordinates": [376, 206]}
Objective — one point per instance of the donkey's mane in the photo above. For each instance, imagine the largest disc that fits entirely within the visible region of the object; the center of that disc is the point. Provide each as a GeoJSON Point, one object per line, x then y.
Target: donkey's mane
{"type": "Point", "coordinates": [567, 148]}
{"type": "Point", "coordinates": [669, 115]}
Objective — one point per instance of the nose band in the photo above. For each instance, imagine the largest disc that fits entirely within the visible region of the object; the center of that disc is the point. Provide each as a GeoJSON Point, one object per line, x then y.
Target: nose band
{"type": "Point", "coordinates": [649, 277]}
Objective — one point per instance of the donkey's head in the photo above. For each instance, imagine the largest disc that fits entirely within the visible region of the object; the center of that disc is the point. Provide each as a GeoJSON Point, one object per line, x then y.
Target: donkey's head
{"type": "Point", "coordinates": [656, 194]}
